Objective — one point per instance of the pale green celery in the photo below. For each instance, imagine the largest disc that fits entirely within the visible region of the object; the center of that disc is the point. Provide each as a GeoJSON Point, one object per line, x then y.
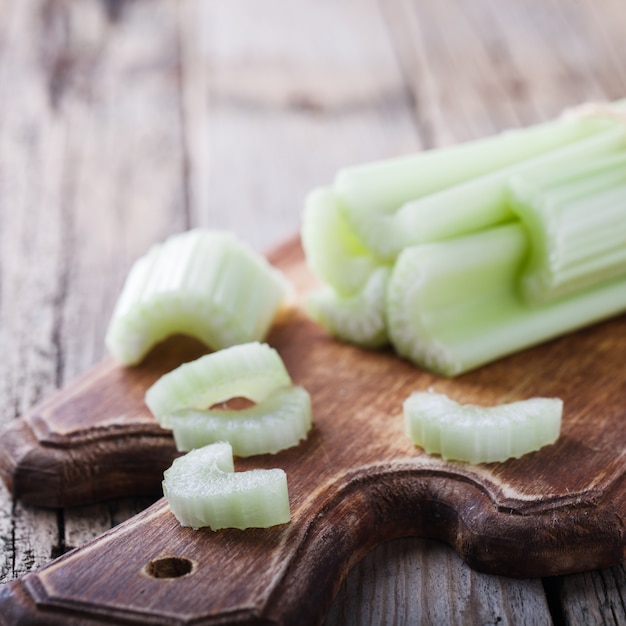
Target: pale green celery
{"type": "Point", "coordinates": [385, 185]}
{"type": "Point", "coordinates": [357, 319]}
{"type": "Point", "coordinates": [478, 434]}
{"type": "Point", "coordinates": [252, 370]}
{"type": "Point", "coordinates": [333, 252]}
{"type": "Point", "coordinates": [576, 221]}
{"type": "Point", "coordinates": [466, 204]}
{"type": "Point", "coordinates": [280, 421]}
{"type": "Point", "coordinates": [202, 283]}
{"type": "Point", "coordinates": [453, 306]}
{"type": "Point", "coordinates": [203, 489]}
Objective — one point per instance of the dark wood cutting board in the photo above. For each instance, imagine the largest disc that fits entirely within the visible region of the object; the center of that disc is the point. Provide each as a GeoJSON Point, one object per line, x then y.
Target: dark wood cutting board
{"type": "Point", "coordinates": [355, 482]}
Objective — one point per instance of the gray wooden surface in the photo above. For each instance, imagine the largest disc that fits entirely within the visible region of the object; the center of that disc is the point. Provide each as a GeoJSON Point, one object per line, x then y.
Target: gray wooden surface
{"type": "Point", "coordinates": [124, 121]}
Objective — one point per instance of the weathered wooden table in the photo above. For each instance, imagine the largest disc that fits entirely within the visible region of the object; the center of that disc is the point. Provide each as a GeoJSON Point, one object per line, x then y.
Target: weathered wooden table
{"type": "Point", "coordinates": [122, 122]}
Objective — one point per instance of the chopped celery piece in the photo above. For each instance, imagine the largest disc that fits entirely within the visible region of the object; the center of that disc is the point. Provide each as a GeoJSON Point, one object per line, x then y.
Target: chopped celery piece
{"type": "Point", "coordinates": [252, 370]}
{"type": "Point", "coordinates": [454, 305]}
{"type": "Point", "coordinates": [278, 422]}
{"type": "Point", "coordinates": [333, 252]}
{"type": "Point", "coordinates": [473, 204]}
{"type": "Point", "coordinates": [202, 283]}
{"type": "Point", "coordinates": [203, 489]}
{"type": "Point", "coordinates": [576, 221]}
{"type": "Point", "coordinates": [358, 319]}
{"type": "Point", "coordinates": [477, 434]}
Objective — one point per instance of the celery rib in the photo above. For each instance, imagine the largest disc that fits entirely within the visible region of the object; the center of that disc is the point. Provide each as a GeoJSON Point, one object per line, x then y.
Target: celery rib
{"type": "Point", "coordinates": [476, 434]}
{"type": "Point", "coordinates": [203, 489]}
{"type": "Point", "coordinates": [466, 203]}
{"type": "Point", "coordinates": [201, 283]}
{"type": "Point", "coordinates": [280, 421]}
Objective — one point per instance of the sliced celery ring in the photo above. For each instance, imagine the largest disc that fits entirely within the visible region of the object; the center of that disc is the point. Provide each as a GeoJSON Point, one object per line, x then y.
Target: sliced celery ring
{"type": "Point", "coordinates": [252, 370]}
{"type": "Point", "coordinates": [202, 283]}
{"type": "Point", "coordinates": [278, 422]}
{"type": "Point", "coordinates": [481, 434]}
{"type": "Point", "coordinates": [203, 489]}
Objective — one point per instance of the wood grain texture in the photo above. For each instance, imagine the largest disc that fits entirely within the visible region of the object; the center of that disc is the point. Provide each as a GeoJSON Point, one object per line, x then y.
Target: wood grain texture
{"type": "Point", "coordinates": [171, 118]}
{"type": "Point", "coordinates": [83, 99]}
{"type": "Point", "coordinates": [436, 588]}
{"type": "Point", "coordinates": [355, 482]}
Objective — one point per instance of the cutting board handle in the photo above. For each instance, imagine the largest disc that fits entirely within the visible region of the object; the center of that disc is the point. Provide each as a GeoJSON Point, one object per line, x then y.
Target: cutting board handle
{"type": "Point", "coordinates": [95, 439]}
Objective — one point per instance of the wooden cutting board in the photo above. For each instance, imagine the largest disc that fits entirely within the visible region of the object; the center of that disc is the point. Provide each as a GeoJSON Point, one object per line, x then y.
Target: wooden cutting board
{"type": "Point", "coordinates": [355, 482]}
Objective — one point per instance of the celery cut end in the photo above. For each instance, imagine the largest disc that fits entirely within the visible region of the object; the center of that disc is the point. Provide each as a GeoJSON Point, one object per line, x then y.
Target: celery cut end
{"type": "Point", "coordinates": [358, 319]}
{"type": "Point", "coordinates": [443, 295]}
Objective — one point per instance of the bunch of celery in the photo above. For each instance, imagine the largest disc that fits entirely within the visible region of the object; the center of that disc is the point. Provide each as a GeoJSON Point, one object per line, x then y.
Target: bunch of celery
{"type": "Point", "coordinates": [462, 255]}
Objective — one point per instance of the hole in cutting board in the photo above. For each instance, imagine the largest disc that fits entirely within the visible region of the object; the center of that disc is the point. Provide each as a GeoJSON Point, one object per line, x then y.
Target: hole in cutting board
{"type": "Point", "coordinates": [169, 567]}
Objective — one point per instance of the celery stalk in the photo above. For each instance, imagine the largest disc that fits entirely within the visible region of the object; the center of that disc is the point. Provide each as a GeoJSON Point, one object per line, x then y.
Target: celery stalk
{"type": "Point", "coordinates": [201, 283]}
{"type": "Point", "coordinates": [477, 434]}
{"type": "Point", "coordinates": [385, 185]}
{"type": "Point", "coordinates": [251, 371]}
{"type": "Point", "coordinates": [576, 221]}
{"type": "Point", "coordinates": [466, 203]}
{"type": "Point", "coordinates": [203, 489]}
{"type": "Point", "coordinates": [278, 422]}
{"type": "Point", "coordinates": [455, 305]}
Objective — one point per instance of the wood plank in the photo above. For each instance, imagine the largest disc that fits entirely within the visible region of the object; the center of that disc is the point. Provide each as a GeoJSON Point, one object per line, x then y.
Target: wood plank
{"type": "Point", "coordinates": [278, 97]}
{"type": "Point", "coordinates": [597, 597]}
{"type": "Point", "coordinates": [416, 581]}
{"type": "Point", "coordinates": [33, 262]}
{"type": "Point", "coordinates": [88, 101]}
{"type": "Point", "coordinates": [121, 108]}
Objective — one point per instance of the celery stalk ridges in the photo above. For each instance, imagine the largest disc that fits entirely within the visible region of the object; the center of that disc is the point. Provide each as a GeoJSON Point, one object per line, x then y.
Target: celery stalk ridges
{"type": "Point", "coordinates": [202, 283]}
